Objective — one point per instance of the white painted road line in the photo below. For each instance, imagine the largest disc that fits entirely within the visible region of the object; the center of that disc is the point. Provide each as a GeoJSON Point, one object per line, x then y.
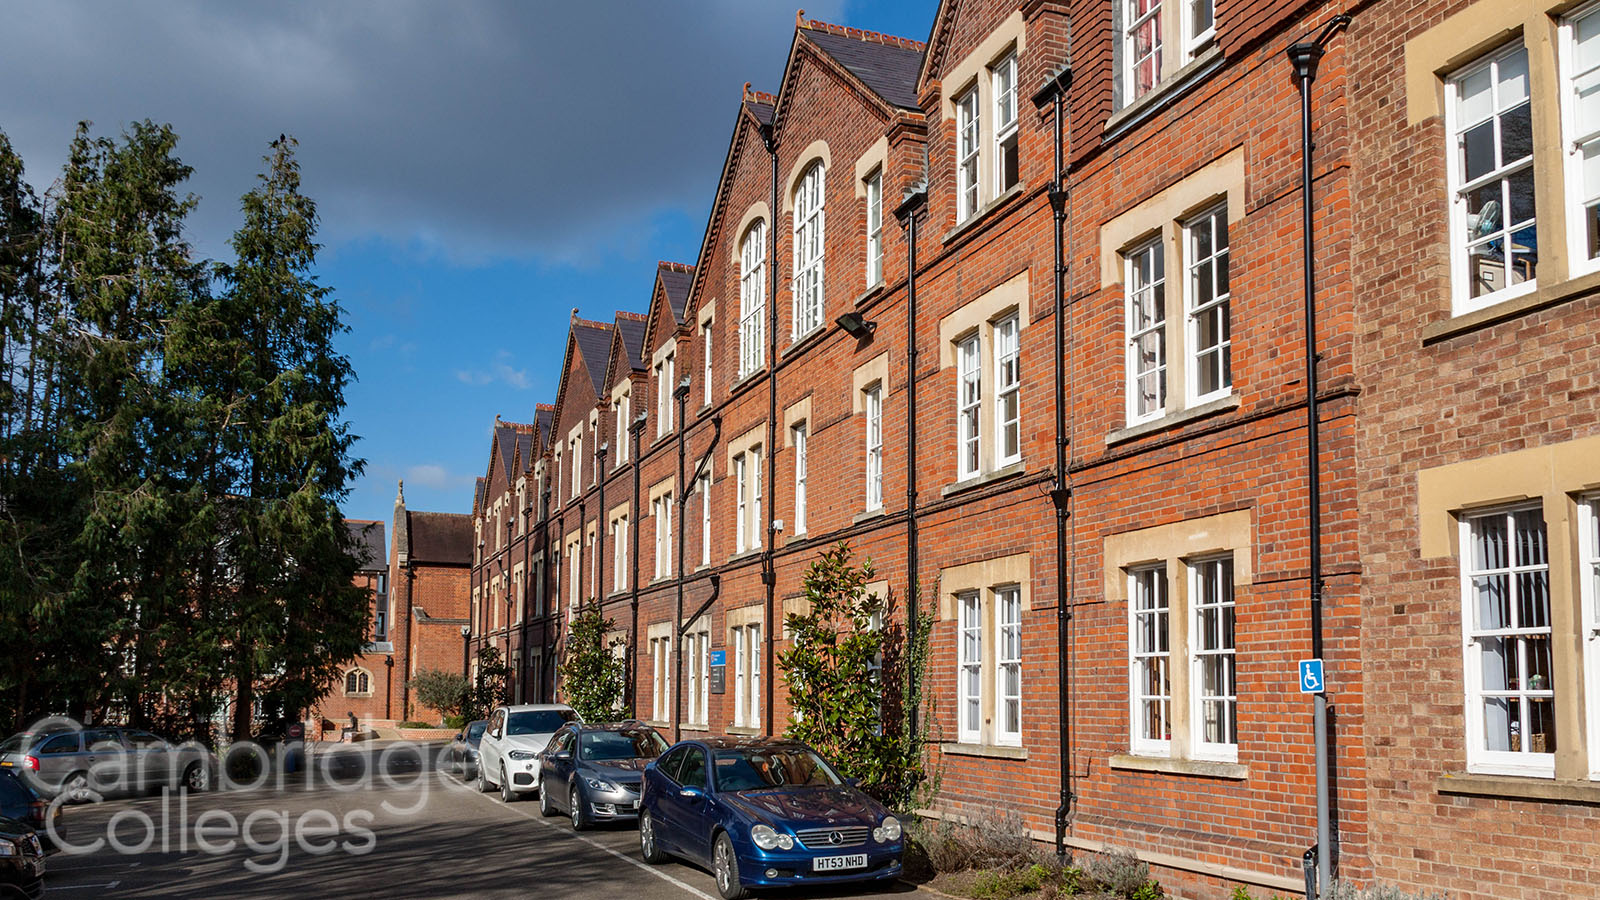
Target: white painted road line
{"type": "Point", "coordinates": [107, 885]}
{"type": "Point", "coordinates": [689, 888]}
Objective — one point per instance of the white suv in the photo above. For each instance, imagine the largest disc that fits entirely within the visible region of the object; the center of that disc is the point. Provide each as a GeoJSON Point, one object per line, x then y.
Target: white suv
{"type": "Point", "coordinates": [508, 755]}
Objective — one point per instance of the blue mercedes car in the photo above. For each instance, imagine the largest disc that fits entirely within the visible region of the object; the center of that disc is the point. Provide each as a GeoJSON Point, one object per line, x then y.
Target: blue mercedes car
{"type": "Point", "coordinates": [764, 812]}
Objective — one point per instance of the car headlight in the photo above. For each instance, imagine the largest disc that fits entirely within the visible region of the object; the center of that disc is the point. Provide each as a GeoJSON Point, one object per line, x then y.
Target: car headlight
{"type": "Point", "coordinates": [766, 838]}
{"type": "Point", "coordinates": [601, 784]}
{"type": "Point", "coordinates": [522, 754]}
{"type": "Point", "coordinates": [7, 848]}
{"type": "Point", "coordinates": [887, 831]}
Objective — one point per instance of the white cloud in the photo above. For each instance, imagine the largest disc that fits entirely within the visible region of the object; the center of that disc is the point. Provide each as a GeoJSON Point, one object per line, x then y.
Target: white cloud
{"type": "Point", "coordinates": [500, 370]}
{"type": "Point", "coordinates": [429, 475]}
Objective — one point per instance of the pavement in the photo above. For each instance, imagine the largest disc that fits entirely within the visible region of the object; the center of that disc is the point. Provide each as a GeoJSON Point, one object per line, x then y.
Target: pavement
{"type": "Point", "coordinates": [364, 822]}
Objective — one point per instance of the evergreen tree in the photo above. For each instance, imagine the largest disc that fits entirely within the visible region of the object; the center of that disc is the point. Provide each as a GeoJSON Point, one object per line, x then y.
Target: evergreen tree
{"type": "Point", "coordinates": [293, 616]}
{"type": "Point", "coordinates": [593, 674]}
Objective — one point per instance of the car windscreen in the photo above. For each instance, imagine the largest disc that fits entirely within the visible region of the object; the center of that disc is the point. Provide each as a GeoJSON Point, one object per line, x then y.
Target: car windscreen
{"type": "Point", "coordinates": [538, 721]}
{"type": "Point", "coordinates": [761, 768]}
{"type": "Point", "coordinates": [475, 731]}
{"type": "Point", "coordinates": [598, 746]}
{"type": "Point", "coordinates": [16, 743]}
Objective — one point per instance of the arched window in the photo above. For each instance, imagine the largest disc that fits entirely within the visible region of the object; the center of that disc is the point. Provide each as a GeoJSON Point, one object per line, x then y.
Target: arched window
{"type": "Point", "coordinates": [357, 681]}
{"type": "Point", "coordinates": [808, 251]}
{"type": "Point", "coordinates": [752, 298]}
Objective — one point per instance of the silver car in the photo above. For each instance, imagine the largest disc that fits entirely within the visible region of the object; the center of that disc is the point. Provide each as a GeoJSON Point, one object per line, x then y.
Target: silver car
{"type": "Point", "coordinates": [105, 760]}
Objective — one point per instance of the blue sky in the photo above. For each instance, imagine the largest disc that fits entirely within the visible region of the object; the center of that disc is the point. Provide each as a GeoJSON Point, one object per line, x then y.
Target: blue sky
{"type": "Point", "coordinates": [480, 170]}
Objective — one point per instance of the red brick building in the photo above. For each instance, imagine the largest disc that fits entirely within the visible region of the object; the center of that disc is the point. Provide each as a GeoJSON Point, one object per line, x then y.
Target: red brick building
{"type": "Point", "coordinates": [430, 563]}
{"type": "Point", "coordinates": [938, 407]}
{"type": "Point", "coordinates": [364, 689]}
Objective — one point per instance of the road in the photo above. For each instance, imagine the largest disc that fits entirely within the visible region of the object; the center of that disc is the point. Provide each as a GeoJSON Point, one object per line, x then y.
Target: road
{"type": "Point", "coordinates": [417, 833]}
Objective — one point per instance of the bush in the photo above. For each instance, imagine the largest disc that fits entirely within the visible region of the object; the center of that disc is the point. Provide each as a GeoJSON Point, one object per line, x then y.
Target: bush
{"type": "Point", "coordinates": [456, 722]}
{"type": "Point", "coordinates": [593, 673]}
{"type": "Point", "coordinates": [1343, 890]}
{"type": "Point", "coordinates": [444, 691]}
{"type": "Point", "coordinates": [1122, 874]}
{"type": "Point", "coordinates": [417, 725]}
{"type": "Point", "coordinates": [991, 841]}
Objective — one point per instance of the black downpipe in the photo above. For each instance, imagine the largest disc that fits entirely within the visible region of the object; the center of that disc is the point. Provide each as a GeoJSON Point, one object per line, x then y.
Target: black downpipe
{"type": "Point", "coordinates": [635, 428]}
{"type": "Point", "coordinates": [600, 524]}
{"type": "Point", "coordinates": [1054, 93]}
{"type": "Point", "coordinates": [916, 200]}
{"type": "Point", "coordinates": [769, 571]}
{"type": "Point", "coordinates": [680, 393]}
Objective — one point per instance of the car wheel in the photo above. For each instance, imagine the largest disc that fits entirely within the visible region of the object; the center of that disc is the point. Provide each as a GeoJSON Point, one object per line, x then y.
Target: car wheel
{"type": "Point", "coordinates": [197, 778]}
{"type": "Point", "coordinates": [483, 778]}
{"type": "Point", "coordinates": [546, 808]}
{"type": "Point", "coordinates": [76, 787]}
{"type": "Point", "coordinates": [580, 815]}
{"type": "Point", "coordinates": [725, 865]}
{"type": "Point", "coordinates": [507, 795]}
{"type": "Point", "coordinates": [647, 839]}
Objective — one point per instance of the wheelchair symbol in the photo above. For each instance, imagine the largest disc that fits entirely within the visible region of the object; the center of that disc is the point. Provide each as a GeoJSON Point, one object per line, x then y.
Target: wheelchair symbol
{"type": "Point", "coordinates": [1311, 681]}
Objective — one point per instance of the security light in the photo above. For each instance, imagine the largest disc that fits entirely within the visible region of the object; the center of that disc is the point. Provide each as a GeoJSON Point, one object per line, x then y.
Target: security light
{"type": "Point", "coordinates": [855, 325]}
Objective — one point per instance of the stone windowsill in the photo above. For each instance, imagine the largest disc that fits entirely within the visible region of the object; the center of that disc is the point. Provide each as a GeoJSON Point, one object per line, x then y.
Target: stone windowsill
{"type": "Point", "coordinates": [660, 579]}
{"type": "Point", "coordinates": [1519, 788]}
{"type": "Point", "coordinates": [871, 292]}
{"type": "Point", "coordinates": [1007, 471]}
{"type": "Point", "coordinates": [983, 213]}
{"type": "Point", "coordinates": [657, 723]}
{"type": "Point", "coordinates": [744, 730]}
{"type": "Point", "coordinates": [749, 378]}
{"type": "Point", "coordinates": [804, 342]}
{"type": "Point", "coordinates": [990, 751]}
{"type": "Point", "coordinates": [1174, 419]}
{"type": "Point", "coordinates": [868, 516]}
{"type": "Point", "coordinates": [1538, 299]}
{"type": "Point", "coordinates": [744, 555]}
{"type": "Point", "coordinates": [1201, 767]}
{"type": "Point", "coordinates": [1175, 86]}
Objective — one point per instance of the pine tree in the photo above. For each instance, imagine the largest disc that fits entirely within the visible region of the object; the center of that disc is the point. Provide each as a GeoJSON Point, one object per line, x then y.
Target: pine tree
{"type": "Point", "coordinates": [293, 616]}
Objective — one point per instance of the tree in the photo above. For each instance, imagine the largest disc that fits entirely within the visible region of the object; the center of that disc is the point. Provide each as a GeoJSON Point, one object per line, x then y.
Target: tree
{"type": "Point", "coordinates": [853, 675]}
{"type": "Point", "coordinates": [593, 675]}
{"type": "Point", "coordinates": [261, 358]}
{"type": "Point", "coordinates": [445, 691]}
{"type": "Point", "coordinates": [489, 684]}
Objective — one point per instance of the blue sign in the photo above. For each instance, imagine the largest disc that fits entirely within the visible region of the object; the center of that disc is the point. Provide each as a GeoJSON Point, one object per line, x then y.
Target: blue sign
{"type": "Point", "coordinates": [719, 657]}
{"type": "Point", "coordinates": [1311, 680]}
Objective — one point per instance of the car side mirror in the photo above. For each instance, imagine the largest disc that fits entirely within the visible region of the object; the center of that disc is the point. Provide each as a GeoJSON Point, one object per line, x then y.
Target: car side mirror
{"type": "Point", "coordinates": [853, 782]}
{"type": "Point", "coordinates": [564, 755]}
{"type": "Point", "coordinates": [461, 737]}
{"type": "Point", "coordinates": [690, 792]}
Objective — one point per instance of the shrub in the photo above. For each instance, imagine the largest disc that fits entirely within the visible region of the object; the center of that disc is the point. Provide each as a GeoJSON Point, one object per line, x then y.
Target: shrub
{"type": "Point", "coordinates": [1343, 890]}
{"type": "Point", "coordinates": [989, 841]}
{"type": "Point", "coordinates": [417, 725]}
{"type": "Point", "coordinates": [1122, 874]}
{"type": "Point", "coordinates": [593, 674]}
{"type": "Point", "coordinates": [444, 691]}
{"type": "Point", "coordinates": [456, 722]}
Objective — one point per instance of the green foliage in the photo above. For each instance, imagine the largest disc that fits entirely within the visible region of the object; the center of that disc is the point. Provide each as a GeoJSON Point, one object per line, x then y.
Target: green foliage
{"type": "Point", "coordinates": [593, 674]}
{"type": "Point", "coordinates": [489, 685]}
{"type": "Point", "coordinates": [415, 724]}
{"type": "Point", "coordinates": [172, 450]}
{"type": "Point", "coordinates": [1123, 875]}
{"type": "Point", "coordinates": [444, 691]}
{"type": "Point", "coordinates": [1344, 890]}
{"type": "Point", "coordinates": [993, 885]}
{"type": "Point", "coordinates": [853, 687]}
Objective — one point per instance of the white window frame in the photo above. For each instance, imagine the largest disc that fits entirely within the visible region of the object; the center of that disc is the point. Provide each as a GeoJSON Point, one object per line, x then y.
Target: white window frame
{"type": "Point", "coordinates": [1008, 390]}
{"type": "Point", "coordinates": [661, 679]}
{"type": "Point", "coordinates": [752, 299]}
{"type": "Point", "coordinates": [1211, 269]}
{"type": "Point", "coordinates": [705, 519]}
{"type": "Point", "coordinates": [697, 644]}
{"type": "Point", "coordinates": [1007, 659]}
{"type": "Point", "coordinates": [661, 511]}
{"type": "Point", "coordinates": [1217, 573]}
{"type": "Point", "coordinates": [619, 564]}
{"type": "Point", "coordinates": [1196, 39]}
{"type": "Point", "coordinates": [799, 437]}
{"type": "Point", "coordinates": [705, 374]}
{"type": "Point", "coordinates": [1132, 21]}
{"type": "Point", "coordinates": [969, 407]}
{"type": "Point", "coordinates": [741, 510]}
{"type": "Point", "coordinates": [747, 675]}
{"type": "Point", "coordinates": [968, 142]}
{"type": "Point", "coordinates": [576, 446]}
{"type": "Point", "coordinates": [873, 403]}
{"type": "Point", "coordinates": [1460, 224]}
{"type": "Point", "coordinates": [1480, 759]}
{"type": "Point", "coordinates": [875, 228]}
{"type": "Point", "coordinates": [1589, 593]}
{"type": "Point", "coordinates": [808, 286]}
{"type": "Point", "coordinates": [1574, 141]}
{"type": "Point", "coordinates": [1145, 289]}
{"type": "Point", "coordinates": [666, 378]}
{"type": "Point", "coordinates": [1152, 600]}
{"type": "Point", "coordinates": [969, 667]}
{"type": "Point", "coordinates": [1003, 88]}
{"type": "Point", "coordinates": [620, 406]}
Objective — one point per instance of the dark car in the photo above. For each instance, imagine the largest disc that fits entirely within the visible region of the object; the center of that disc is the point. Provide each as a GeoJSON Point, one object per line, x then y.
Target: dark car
{"type": "Point", "coordinates": [592, 772]}
{"type": "Point", "coordinates": [104, 759]}
{"type": "Point", "coordinates": [764, 813]}
{"type": "Point", "coordinates": [464, 749]}
{"type": "Point", "coordinates": [21, 861]}
{"type": "Point", "coordinates": [19, 801]}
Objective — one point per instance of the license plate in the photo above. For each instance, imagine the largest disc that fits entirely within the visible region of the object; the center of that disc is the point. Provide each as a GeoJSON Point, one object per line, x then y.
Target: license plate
{"type": "Point", "coordinates": [5, 762]}
{"type": "Point", "coordinates": [839, 863]}
{"type": "Point", "coordinates": [635, 804]}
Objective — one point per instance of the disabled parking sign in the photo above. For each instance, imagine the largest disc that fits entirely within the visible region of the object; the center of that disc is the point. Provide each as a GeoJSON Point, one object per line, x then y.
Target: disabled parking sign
{"type": "Point", "coordinates": [1311, 680]}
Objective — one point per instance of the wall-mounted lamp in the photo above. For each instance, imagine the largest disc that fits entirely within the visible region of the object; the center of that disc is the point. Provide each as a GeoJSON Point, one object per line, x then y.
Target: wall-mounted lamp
{"type": "Point", "coordinates": [855, 325]}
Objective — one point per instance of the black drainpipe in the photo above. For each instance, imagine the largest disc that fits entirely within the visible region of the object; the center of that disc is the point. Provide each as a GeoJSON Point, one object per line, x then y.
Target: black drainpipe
{"type": "Point", "coordinates": [599, 528]}
{"type": "Point", "coordinates": [1304, 56]}
{"type": "Point", "coordinates": [1054, 93]}
{"type": "Point", "coordinates": [769, 571]}
{"type": "Point", "coordinates": [635, 428]}
{"type": "Point", "coordinates": [916, 200]}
